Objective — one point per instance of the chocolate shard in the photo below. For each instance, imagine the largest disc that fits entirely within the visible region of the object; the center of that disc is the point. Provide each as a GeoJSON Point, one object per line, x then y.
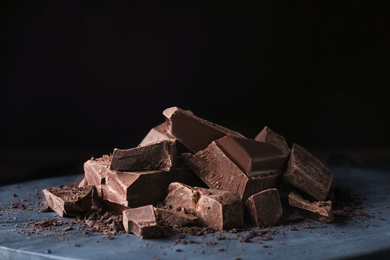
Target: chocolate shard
{"type": "Point", "coordinates": [214, 208]}
{"type": "Point", "coordinates": [157, 134]}
{"type": "Point", "coordinates": [267, 135]}
{"type": "Point", "coordinates": [194, 132]}
{"type": "Point", "coordinates": [83, 183]}
{"type": "Point", "coordinates": [155, 156]}
{"type": "Point", "coordinates": [96, 170]}
{"type": "Point", "coordinates": [142, 222]}
{"type": "Point", "coordinates": [69, 201]}
{"type": "Point", "coordinates": [175, 217]}
{"type": "Point", "coordinates": [307, 173]}
{"type": "Point", "coordinates": [108, 201]}
{"type": "Point", "coordinates": [253, 157]}
{"type": "Point", "coordinates": [265, 208]}
{"type": "Point", "coordinates": [219, 172]}
{"type": "Point", "coordinates": [322, 208]}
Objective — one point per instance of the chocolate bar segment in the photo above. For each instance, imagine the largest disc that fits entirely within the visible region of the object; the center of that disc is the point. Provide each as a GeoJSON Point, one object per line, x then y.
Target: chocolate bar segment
{"type": "Point", "coordinates": [142, 222]}
{"type": "Point", "coordinates": [219, 172]}
{"type": "Point", "coordinates": [307, 173]}
{"type": "Point", "coordinates": [194, 132]}
{"type": "Point", "coordinates": [155, 156]}
{"type": "Point", "coordinates": [69, 201]}
{"type": "Point", "coordinates": [157, 134]}
{"type": "Point", "coordinates": [96, 170]}
{"type": "Point", "coordinates": [176, 217]}
{"type": "Point", "coordinates": [265, 208]}
{"type": "Point", "coordinates": [253, 157]}
{"type": "Point", "coordinates": [267, 135]}
{"type": "Point", "coordinates": [322, 208]}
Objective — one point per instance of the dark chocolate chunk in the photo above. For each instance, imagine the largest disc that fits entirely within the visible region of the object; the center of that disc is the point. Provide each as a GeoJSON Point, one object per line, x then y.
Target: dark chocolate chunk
{"type": "Point", "coordinates": [194, 132]}
{"type": "Point", "coordinates": [155, 156]}
{"type": "Point", "coordinates": [253, 157]}
{"type": "Point", "coordinates": [267, 135]}
{"type": "Point", "coordinates": [264, 207]}
{"type": "Point", "coordinates": [181, 195]}
{"type": "Point", "coordinates": [96, 170]}
{"type": "Point", "coordinates": [173, 217]}
{"type": "Point", "coordinates": [322, 208]}
{"type": "Point", "coordinates": [69, 201]}
{"type": "Point", "coordinates": [142, 222]}
{"type": "Point", "coordinates": [219, 172]}
{"type": "Point", "coordinates": [157, 134]}
{"type": "Point", "coordinates": [308, 174]}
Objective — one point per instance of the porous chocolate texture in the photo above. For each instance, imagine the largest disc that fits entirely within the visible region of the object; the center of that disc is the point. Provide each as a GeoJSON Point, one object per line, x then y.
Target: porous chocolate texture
{"type": "Point", "coordinates": [142, 222]}
{"type": "Point", "coordinates": [265, 208]}
{"type": "Point", "coordinates": [267, 135]}
{"type": "Point", "coordinates": [155, 156]}
{"type": "Point", "coordinates": [69, 201]}
{"type": "Point", "coordinates": [321, 208]}
{"type": "Point", "coordinates": [308, 174]}
{"type": "Point", "coordinates": [194, 132]}
{"type": "Point", "coordinates": [219, 172]}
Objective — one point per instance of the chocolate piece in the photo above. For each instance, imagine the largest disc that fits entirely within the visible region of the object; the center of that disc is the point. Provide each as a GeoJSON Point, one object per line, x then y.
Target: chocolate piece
{"type": "Point", "coordinates": [96, 170]}
{"type": "Point", "coordinates": [157, 134]}
{"type": "Point", "coordinates": [265, 207]}
{"type": "Point", "coordinates": [267, 135]}
{"type": "Point", "coordinates": [214, 208]}
{"type": "Point", "coordinates": [174, 217]}
{"type": "Point", "coordinates": [252, 157]}
{"type": "Point", "coordinates": [83, 183]}
{"type": "Point", "coordinates": [106, 201]}
{"type": "Point", "coordinates": [219, 172]}
{"type": "Point", "coordinates": [142, 222]}
{"type": "Point", "coordinates": [69, 201]}
{"type": "Point", "coordinates": [308, 174]}
{"type": "Point", "coordinates": [155, 156]}
{"type": "Point", "coordinates": [109, 193]}
{"type": "Point", "coordinates": [322, 208]}
{"type": "Point", "coordinates": [194, 132]}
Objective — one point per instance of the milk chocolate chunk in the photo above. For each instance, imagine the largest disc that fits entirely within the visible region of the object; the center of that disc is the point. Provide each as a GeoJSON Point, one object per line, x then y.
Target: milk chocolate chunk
{"type": "Point", "coordinates": [219, 172]}
{"type": "Point", "coordinates": [322, 208]}
{"type": "Point", "coordinates": [69, 201]}
{"type": "Point", "coordinates": [194, 132]}
{"type": "Point", "coordinates": [252, 157]}
{"type": "Point", "coordinates": [155, 156]}
{"type": "Point", "coordinates": [265, 208]}
{"type": "Point", "coordinates": [175, 217]}
{"type": "Point", "coordinates": [267, 135]}
{"type": "Point", "coordinates": [142, 222]}
{"type": "Point", "coordinates": [308, 174]}
{"type": "Point", "coordinates": [96, 170]}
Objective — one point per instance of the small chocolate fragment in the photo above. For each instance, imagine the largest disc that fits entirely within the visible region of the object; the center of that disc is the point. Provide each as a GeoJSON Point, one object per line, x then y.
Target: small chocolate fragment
{"type": "Point", "coordinates": [322, 208]}
{"type": "Point", "coordinates": [307, 173]}
{"type": "Point", "coordinates": [253, 157]}
{"type": "Point", "coordinates": [214, 208]}
{"type": "Point", "coordinates": [265, 207]}
{"type": "Point", "coordinates": [69, 201]}
{"type": "Point", "coordinates": [142, 222]}
{"type": "Point", "coordinates": [157, 134]}
{"type": "Point", "coordinates": [267, 135]}
{"type": "Point", "coordinates": [96, 170]}
{"type": "Point", "coordinates": [219, 172]}
{"type": "Point", "coordinates": [83, 183]}
{"type": "Point", "coordinates": [172, 217]}
{"type": "Point", "coordinates": [194, 132]}
{"type": "Point", "coordinates": [155, 156]}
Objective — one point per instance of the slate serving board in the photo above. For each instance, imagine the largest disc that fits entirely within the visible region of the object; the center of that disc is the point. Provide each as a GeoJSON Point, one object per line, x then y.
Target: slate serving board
{"type": "Point", "coordinates": [355, 239]}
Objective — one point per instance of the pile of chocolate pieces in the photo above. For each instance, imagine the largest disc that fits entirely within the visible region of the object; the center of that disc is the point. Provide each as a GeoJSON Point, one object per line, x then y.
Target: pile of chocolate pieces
{"type": "Point", "coordinates": [189, 171]}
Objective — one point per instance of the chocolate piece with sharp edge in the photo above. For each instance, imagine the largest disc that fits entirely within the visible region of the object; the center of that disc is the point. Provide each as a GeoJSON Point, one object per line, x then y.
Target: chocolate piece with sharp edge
{"type": "Point", "coordinates": [253, 157]}
{"type": "Point", "coordinates": [174, 217]}
{"type": "Point", "coordinates": [219, 172]}
{"type": "Point", "coordinates": [267, 135]}
{"type": "Point", "coordinates": [96, 170]}
{"type": "Point", "coordinates": [265, 208]}
{"type": "Point", "coordinates": [142, 222]}
{"type": "Point", "coordinates": [69, 201]}
{"type": "Point", "coordinates": [194, 132]}
{"type": "Point", "coordinates": [155, 156]}
{"type": "Point", "coordinates": [157, 134]}
{"type": "Point", "coordinates": [308, 174]}
{"type": "Point", "coordinates": [322, 208]}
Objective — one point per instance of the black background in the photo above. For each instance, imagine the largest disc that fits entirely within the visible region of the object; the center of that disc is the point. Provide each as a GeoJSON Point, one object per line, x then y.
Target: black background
{"type": "Point", "coordinates": [94, 75]}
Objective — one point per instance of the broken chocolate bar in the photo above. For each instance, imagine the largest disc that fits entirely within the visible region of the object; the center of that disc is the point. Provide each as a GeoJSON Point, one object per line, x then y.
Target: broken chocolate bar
{"type": "Point", "coordinates": [96, 170]}
{"type": "Point", "coordinates": [214, 208]}
{"type": "Point", "coordinates": [219, 172]}
{"type": "Point", "coordinates": [322, 208]}
{"type": "Point", "coordinates": [69, 201]}
{"type": "Point", "coordinates": [253, 157]}
{"type": "Point", "coordinates": [155, 156]}
{"type": "Point", "coordinates": [194, 132]}
{"type": "Point", "coordinates": [268, 136]}
{"type": "Point", "coordinates": [264, 208]}
{"type": "Point", "coordinates": [175, 217]}
{"type": "Point", "coordinates": [142, 222]}
{"type": "Point", "coordinates": [307, 173]}
{"type": "Point", "coordinates": [157, 134]}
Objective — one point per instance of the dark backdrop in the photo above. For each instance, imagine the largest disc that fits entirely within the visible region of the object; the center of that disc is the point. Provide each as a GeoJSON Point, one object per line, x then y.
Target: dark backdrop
{"type": "Point", "coordinates": [94, 75]}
